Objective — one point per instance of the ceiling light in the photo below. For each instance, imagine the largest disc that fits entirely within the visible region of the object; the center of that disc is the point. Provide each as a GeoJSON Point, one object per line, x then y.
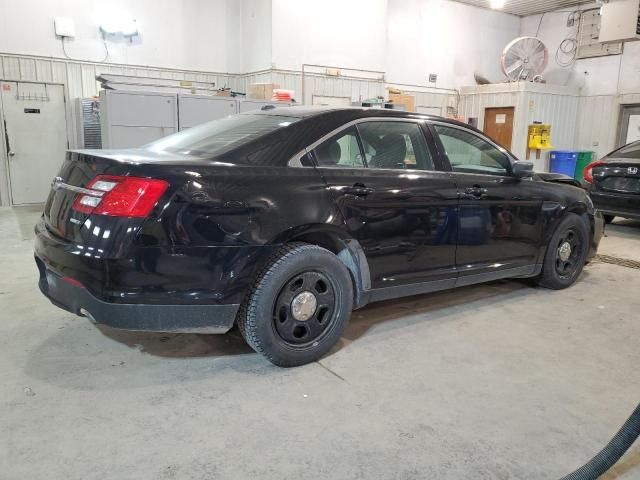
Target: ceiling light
{"type": "Point", "coordinates": [497, 4]}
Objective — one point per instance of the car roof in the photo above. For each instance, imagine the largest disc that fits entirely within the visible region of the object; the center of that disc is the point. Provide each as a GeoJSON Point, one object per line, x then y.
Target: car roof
{"type": "Point", "coordinates": [303, 111]}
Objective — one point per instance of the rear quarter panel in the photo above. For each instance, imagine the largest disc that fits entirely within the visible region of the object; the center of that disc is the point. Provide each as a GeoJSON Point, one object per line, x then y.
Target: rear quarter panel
{"type": "Point", "coordinates": [238, 206]}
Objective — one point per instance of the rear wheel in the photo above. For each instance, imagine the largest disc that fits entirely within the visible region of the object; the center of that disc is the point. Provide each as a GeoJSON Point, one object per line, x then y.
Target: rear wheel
{"type": "Point", "coordinates": [298, 306]}
{"type": "Point", "coordinates": [566, 254]}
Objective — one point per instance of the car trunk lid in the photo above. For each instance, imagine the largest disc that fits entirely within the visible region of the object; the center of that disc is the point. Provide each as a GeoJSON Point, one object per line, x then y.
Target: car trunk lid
{"type": "Point", "coordinates": [81, 167]}
{"type": "Point", "coordinates": [618, 176]}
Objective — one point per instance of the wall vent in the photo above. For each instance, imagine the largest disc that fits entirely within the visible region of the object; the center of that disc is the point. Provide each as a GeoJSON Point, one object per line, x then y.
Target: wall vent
{"type": "Point", "coordinates": [90, 134]}
{"type": "Point", "coordinates": [589, 44]}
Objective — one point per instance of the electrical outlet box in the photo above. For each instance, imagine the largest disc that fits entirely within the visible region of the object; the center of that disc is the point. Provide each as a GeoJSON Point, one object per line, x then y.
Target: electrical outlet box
{"type": "Point", "coordinates": [620, 21]}
{"type": "Point", "coordinates": [65, 27]}
{"type": "Point", "coordinates": [433, 77]}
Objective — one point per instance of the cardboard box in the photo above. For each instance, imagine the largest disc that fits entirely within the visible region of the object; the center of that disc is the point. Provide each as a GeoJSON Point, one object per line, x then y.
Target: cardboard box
{"type": "Point", "coordinates": [261, 91]}
{"type": "Point", "coordinates": [408, 101]}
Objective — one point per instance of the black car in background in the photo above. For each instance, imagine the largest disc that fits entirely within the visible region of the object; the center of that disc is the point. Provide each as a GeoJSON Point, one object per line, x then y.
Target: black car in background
{"type": "Point", "coordinates": [615, 183]}
{"type": "Point", "coordinates": [284, 220]}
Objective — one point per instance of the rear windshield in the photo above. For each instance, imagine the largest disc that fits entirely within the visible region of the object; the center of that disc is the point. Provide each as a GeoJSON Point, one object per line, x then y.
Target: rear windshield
{"type": "Point", "coordinates": [221, 136]}
{"type": "Point", "coordinates": [628, 151]}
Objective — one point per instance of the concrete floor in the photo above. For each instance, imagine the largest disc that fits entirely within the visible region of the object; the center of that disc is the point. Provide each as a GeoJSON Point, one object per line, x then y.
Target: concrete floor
{"type": "Point", "coordinates": [500, 381]}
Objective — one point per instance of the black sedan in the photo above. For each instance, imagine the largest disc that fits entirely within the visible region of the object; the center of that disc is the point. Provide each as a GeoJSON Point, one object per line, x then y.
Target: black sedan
{"type": "Point", "coordinates": [284, 220]}
{"type": "Point", "coordinates": [615, 183]}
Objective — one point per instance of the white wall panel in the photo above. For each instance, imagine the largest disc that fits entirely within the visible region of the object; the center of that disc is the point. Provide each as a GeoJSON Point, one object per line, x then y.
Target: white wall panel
{"type": "Point", "coordinates": [330, 32]}
{"type": "Point", "coordinates": [598, 123]}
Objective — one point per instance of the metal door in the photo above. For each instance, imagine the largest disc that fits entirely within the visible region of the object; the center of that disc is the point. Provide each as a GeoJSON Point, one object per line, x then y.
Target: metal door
{"type": "Point", "coordinates": [35, 130]}
{"type": "Point", "coordinates": [499, 216]}
{"type": "Point", "coordinates": [629, 128]}
{"type": "Point", "coordinates": [197, 109]}
{"type": "Point", "coordinates": [403, 217]}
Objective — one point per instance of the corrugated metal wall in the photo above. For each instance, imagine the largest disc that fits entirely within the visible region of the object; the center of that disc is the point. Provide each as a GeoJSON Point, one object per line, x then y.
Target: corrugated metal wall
{"type": "Point", "coordinates": [598, 123]}
{"type": "Point", "coordinates": [80, 79]}
{"type": "Point", "coordinates": [356, 89]}
{"type": "Point", "coordinates": [538, 103]}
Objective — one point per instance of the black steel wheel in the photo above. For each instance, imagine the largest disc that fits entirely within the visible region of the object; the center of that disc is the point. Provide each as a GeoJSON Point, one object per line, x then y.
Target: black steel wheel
{"type": "Point", "coordinates": [298, 306]}
{"type": "Point", "coordinates": [304, 309]}
{"type": "Point", "coordinates": [566, 253]}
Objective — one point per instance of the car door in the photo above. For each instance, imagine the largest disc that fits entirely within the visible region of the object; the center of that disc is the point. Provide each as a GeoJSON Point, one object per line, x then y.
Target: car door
{"type": "Point", "coordinates": [499, 216]}
{"type": "Point", "coordinates": [381, 174]}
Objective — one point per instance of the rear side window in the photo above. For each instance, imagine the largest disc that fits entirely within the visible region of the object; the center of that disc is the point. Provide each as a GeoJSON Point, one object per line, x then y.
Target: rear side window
{"type": "Point", "coordinates": [342, 150]}
{"type": "Point", "coordinates": [395, 145]}
{"type": "Point", "coordinates": [469, 153]}
{"type": "Point", "coordinates": [221, 136]}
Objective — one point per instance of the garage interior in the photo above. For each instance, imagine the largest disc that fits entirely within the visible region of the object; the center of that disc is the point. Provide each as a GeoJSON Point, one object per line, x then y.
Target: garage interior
{"type": "Point", "coordinates": [494, 381]}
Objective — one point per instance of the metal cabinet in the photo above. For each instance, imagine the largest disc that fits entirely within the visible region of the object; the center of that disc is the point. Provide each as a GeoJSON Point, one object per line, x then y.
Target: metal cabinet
{"type": "Point", "coordinates": [197, 109]}
{"type": "Point", "coordinates": [132, 119]}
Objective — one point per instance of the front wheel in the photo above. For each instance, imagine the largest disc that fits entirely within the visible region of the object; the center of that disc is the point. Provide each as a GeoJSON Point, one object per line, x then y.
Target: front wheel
{"type": "Point", "coordinates": [299, 305]}
{"type": "Point", "coordinates": [566, 254]}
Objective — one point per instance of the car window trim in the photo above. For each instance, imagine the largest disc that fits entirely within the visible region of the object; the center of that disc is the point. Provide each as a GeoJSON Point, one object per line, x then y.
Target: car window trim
{"type": "Point", "coordinates": [296, 160]}
{"type": "Point", "coordinates": [501, 149]}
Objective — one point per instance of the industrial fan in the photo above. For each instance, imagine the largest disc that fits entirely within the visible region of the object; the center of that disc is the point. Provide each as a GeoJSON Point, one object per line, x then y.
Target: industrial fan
{"type": "Point", "coordinates": [525, 58]}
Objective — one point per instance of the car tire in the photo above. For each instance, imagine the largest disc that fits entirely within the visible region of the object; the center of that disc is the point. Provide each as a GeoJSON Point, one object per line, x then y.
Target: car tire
{"type": "Point", "coordinates": [608, 218]}
{"type": "Point", "coordinates": [562, 264]}
{"type": "Point", "coordinates": [298, 306]}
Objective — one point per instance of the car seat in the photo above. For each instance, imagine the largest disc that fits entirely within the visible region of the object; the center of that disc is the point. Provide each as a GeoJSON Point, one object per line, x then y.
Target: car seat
{"type": "Point", "coordinates": [391, 152]}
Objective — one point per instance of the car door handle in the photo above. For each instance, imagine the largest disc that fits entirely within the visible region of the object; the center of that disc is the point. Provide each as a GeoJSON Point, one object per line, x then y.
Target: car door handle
{"type": "Point", "coordinates": [475, 192]}
{"type": "Point", "coordinates": [358, 189]}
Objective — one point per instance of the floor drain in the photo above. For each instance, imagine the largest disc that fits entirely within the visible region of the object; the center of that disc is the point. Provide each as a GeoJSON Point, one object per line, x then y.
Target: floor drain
{"type": "Point", "coordinates": [622, 262]}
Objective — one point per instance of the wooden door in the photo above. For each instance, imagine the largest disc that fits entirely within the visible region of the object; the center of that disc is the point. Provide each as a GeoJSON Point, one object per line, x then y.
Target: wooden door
{"type": "Point", "coordinates": [498, 125]}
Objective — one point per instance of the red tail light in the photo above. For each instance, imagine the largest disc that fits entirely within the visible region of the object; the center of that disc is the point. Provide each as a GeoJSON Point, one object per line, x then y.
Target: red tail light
{"type": "Point", "coordinates": [587, 173]}
{"type": "Point", "coordinates": [120, 196]}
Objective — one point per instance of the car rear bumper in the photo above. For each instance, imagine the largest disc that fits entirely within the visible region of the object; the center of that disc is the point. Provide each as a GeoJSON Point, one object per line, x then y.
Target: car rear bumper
{"type": "Point", "coordinates": [71, 296]}
{"type": "Point", "coordinates": [188, 290]}
{"type": "Point", "coordinates": [622, 205]}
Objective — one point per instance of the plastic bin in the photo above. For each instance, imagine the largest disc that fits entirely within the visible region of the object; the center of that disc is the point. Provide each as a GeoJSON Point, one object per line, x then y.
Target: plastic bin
{"type": "Point", "coordinates": [584, 159]}
{"type": "Point", "coordinates": [563, 161]}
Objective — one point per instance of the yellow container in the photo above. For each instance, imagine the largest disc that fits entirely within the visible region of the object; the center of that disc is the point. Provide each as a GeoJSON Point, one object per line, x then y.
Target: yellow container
{"type": "Point", "coordinates": [539, 137]}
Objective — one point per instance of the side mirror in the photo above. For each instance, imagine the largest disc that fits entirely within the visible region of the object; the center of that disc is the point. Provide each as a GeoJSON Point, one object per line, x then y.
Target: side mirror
{"type": "Point", "coordinates": [522, 169]}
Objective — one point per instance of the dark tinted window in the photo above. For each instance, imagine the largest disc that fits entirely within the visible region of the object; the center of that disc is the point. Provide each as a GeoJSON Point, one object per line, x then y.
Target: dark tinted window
{"type": "Point", "coordinates": [395, 145]}
{"type": "Point", "coordinates": [342, 150]}
{"type": "Point", "coordinates": [469, 153]}
{"type": "Point", "coordinates": [628, 151]}
{"type": "Point", "coordinates": [220, 136]}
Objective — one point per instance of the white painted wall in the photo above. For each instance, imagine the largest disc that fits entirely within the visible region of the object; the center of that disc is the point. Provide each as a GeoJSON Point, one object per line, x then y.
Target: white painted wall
{"type": "Point", "coordinates": [448, 38]}
{"type": "Point", "coordinates": [610, 75]}
{"type": "Point", "coordinates": [407, 39]}
{"type": "Point", "coordinates": [344, 33]}
{"type": "Point", "coordinates": [186, 34]}
{"type": "Point", "coordinates": [256, 18]}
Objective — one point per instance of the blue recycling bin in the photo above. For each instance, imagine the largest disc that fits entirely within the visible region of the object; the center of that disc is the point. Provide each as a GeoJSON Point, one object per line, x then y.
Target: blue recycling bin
{"type": "Point", "coordinates": [563, 161]}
